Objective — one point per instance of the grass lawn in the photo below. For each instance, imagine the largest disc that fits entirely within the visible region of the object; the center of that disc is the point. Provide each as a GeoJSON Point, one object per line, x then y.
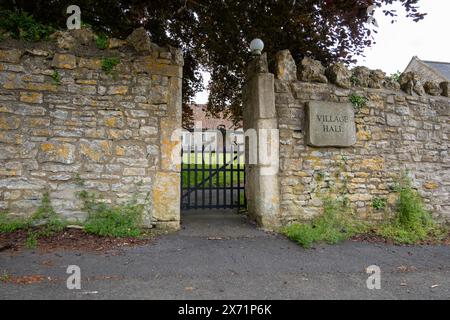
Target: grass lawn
{"type": "Point", "coordinates": [210, 163]}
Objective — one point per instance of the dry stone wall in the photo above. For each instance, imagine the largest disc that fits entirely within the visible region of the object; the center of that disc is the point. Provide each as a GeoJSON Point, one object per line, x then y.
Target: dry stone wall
{"type": "Point", "coordinates": [66, 117]}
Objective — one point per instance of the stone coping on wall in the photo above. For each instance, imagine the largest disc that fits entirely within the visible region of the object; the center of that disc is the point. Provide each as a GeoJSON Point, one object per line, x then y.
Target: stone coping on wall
{"type": "Point", "coordinates": [310, 70]}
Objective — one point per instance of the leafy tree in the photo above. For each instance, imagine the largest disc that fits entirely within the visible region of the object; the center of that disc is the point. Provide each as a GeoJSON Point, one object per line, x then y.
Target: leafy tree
{"type": "Point", "coordinates": [215, 34]}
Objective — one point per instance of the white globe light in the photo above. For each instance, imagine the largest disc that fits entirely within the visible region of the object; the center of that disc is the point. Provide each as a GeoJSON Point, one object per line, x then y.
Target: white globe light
{"type": "Point", "coordinates": [256, 46]}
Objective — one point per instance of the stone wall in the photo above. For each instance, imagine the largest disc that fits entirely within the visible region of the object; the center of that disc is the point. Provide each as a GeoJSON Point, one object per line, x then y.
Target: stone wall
{"type": "Point", "coordinates": [64, 118]}
{"type": "Point", "coordinates": [395, 131]}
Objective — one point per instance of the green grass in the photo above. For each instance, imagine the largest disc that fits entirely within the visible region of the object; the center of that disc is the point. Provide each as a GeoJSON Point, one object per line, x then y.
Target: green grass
{"type": "Point", "coordinates": [242, 198]}
{"type": "Point", "coordinates": [220, 179]}
{"type": "Point", "coordinates": [43, 223]}
{"type": "Point", "coordinates": [112, 221]}
{"type": "Point", "coordinates": [412, 223]}
{"type": "Point", "coordinates": [335, 225]}
{"type": "Point", "coordinates": [11, 224]}
{"type": "Point", "coordinates": [212, 162]}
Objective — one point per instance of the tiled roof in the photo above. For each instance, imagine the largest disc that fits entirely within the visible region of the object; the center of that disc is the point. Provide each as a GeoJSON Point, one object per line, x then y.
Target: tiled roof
{"type": "Point", "coordinates": [441, 67]}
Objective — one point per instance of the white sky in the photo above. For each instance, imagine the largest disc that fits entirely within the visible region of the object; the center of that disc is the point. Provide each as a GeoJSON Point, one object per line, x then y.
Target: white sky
{"type": "Point", "coordinates": [397, 43]}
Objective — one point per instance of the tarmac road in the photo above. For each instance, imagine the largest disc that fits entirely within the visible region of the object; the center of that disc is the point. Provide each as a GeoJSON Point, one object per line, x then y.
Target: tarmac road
{"type": "Point", "coordinates": [218, 255]}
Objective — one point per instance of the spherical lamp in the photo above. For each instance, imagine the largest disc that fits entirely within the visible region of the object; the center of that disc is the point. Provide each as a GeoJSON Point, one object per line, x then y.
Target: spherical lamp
{"type": "Point", "coordinates": [256, 47]}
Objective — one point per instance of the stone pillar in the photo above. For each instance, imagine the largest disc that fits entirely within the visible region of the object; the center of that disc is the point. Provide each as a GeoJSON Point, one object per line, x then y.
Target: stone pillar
{"type": "Point", "coordinates": [262, 156]}
{"type": "Point", "coordinates": [167, 193]}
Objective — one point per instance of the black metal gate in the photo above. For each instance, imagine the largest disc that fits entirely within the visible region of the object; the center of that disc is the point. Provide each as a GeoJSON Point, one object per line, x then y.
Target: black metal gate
{"type": "Point", "coordinates": [212, 177]}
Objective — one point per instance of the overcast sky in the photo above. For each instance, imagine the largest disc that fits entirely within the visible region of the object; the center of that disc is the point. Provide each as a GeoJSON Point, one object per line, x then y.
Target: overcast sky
{"type": "Point", "coordinates": [397, 43]}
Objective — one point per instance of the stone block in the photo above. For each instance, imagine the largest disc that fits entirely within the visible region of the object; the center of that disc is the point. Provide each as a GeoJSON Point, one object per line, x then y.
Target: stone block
{"type": "Point", "coordinates": [149, 65]}
{"type": "Point", "coordinates": [56, 152]}
{"type": "Point", "coordinates": [95, 150]}
{"type": "Point", "coordinates": [286, 69]}
{"type": "Point", "coordinates": [170, 145]}
{"type": "Point", "coordinates": [166, 197]}
{"type": "Point", "coordinates": [11, 55]}
{"type": "Point", "coordinates": [64, 61]}
{"type": "Point", "coordinates": [31, 97]}
{"type": "Point", "coordinates": [9, 122]}
{"type": "Point", "coordinates": [90, 63]}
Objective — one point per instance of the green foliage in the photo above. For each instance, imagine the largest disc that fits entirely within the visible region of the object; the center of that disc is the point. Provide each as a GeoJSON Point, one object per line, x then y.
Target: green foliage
{"type": "Point", "coordinates": [379, 203]}
{"type": "Point", "coordinates": [102, 42]}
{"type": "Point", "coordinates": [22, 25]}
{"type": "Point", "coordinates": [396, 76]}
{"type": "Point", "coordinates": [79, 181]}
{"type": "Point", "coordinates": [335, 225]}
{"type": "Point", "coordinates": [56, 77]}
{"type": "Point", "coordinates": [108, 64]}
{"type": "Point", "coordinates": [215, 34]}
{"type": "Point", "coordinates": [32, 240]}
{"type": "Point", "coordinates": [242, 199]}
{"type": "Point", "coordinates": [11, 224]}
{"type": "Point", "coordinates": [412, 223]}
{"type": "Point", "coordinates": [46, 217]}
{"type": "Point", "coordinates": [4, 276]}
{"type": "Point", "coordinates": [114, 221]}
{"type": "Point", "coordinates": [320, 176]}
{"type": "Point", "coordinates": [358, 101]}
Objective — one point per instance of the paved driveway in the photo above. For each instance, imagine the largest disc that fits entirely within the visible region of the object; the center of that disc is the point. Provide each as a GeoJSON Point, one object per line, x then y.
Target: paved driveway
{"type": "Point", "coordinates": [220, 256]}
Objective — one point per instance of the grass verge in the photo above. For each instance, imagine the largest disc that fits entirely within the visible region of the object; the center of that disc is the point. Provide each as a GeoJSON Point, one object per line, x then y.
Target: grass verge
{"type": "Point", "coordinates": [412, 223]}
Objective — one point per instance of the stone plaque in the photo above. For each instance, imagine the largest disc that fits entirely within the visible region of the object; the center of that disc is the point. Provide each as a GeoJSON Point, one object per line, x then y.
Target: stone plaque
{"type": "Point", "coordinates": [331, 124]}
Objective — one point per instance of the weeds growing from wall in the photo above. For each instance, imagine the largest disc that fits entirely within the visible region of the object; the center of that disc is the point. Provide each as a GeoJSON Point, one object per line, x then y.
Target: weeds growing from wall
{"type": "Point", "coordinates": [335, 225]}
{"type": "Point", "coordinates": [379, 203]}
{"type": "Point", "coordinates": [358, 102]}
{"type": "Point", "coordinates": [108, 64]}
{"type": "Point", "coordinates": [395, 77]}
{"type": "Point", "coordinates": [56, 77]}
{"type": "Point", "coordinates": [412, 222]}
{"type": "Point", "coordinates": [102, 42]}
{"type": "Point", "coordinates": [10, 224]}
{"type": "Point", "coordinates": [44, 222]}
{"type": "Point", "coordinates": [115, 221]}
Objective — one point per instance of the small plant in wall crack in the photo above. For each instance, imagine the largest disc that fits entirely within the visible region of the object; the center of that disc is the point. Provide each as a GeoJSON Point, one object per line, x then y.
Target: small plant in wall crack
{"type": "Point", "coordinates": [102, 42]}
{"type": "Point", "coordinates": [358, 101]}
{"type": "Point", "coordinates": [395, 77]}
{"type": "Point", "coordinates": [124, 220]}
{"type": "Point", "coordinates": [335, 225]}
{"type": "Point", "coordinates": [47, 219]}
{"type": "Point", "coordinates": [108, 64]}
{"type": "Point", "coordinates": [56, 77]}
{"type": "Point", "coordinates": [379, 203]}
